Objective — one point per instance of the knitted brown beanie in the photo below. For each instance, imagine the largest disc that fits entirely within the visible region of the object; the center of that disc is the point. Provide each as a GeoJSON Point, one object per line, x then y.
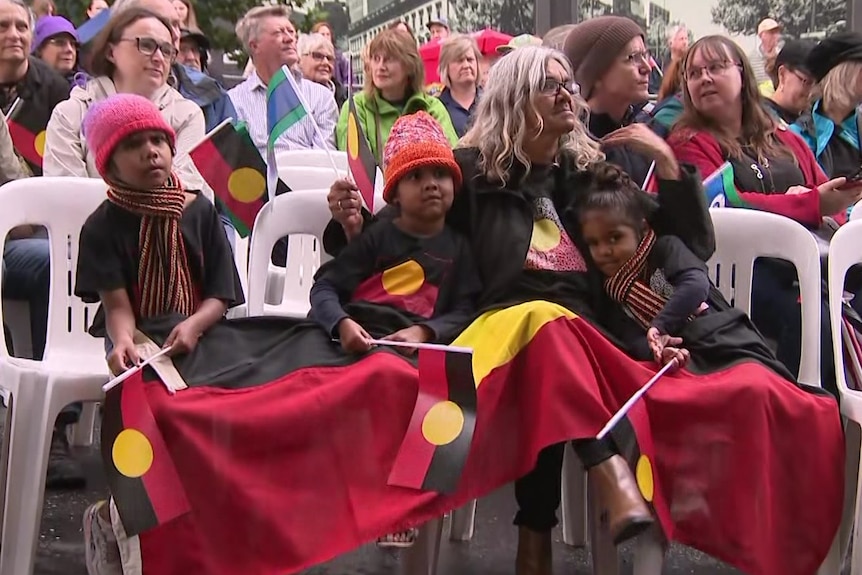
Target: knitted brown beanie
{"type": "Point", "coordinates": [594, 44]}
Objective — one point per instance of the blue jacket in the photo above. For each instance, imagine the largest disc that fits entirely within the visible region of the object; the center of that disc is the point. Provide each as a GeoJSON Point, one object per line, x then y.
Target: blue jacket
{"type": "Point", "coordinates": [206, 93]}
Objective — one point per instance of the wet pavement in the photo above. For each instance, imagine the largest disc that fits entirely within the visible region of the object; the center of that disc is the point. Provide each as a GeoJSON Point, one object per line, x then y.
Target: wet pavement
{"type": "Point", "coordinates": [491, 552]}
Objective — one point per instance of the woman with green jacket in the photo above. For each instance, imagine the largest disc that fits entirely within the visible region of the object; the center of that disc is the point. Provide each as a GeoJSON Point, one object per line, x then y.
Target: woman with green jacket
{"type": "Point", "coordinates": [394, 87]}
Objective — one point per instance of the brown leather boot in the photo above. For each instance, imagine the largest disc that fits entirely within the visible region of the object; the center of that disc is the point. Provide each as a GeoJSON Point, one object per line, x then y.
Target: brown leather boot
{"type": "Point", "coordinates": [534, 553]}
{"type": "Point", "coordinates": [619, 497]}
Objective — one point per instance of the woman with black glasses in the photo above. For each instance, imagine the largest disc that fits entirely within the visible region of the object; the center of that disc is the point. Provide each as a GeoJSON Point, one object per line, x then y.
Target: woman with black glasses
{"type": "Point", "coordinates": [133, 54]}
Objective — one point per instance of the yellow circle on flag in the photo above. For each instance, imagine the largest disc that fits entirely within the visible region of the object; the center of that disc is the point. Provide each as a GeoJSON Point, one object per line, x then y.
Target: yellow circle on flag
{"type": "Point", "coordinates": [39, 143]}
{"type": "Point", "coordinates": [546, 235]}
{"type": "Point", "coordinates": [132, 453]}
{"type": "Point", "coordinates": [246, 185]}
{"type": "Point", "coordinates": [404, 279]}
{"type": "Point", "coordinates": [643, 473]}
{"type": "Point", "coordinates": [352, 137]}
{"type": "Point", "coordinates": [443, 423]}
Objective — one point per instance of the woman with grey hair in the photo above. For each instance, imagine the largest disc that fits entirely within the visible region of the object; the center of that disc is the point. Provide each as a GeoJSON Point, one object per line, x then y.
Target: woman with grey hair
{"type": "Point", "coordinates": [525, 162]}
{"type": "Point", "coordinates": [459, 72]}
{"type": "Point", "coordinates": [317, 63]}
{"type": "Point", "coordinates": [831, 129]}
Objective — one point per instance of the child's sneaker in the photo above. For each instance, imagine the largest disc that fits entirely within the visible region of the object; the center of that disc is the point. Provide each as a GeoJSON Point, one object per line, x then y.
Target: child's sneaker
{"type": "Point", "coordinates": [400, 540]}
{"type": "Point", "coordinates": [100, 544]}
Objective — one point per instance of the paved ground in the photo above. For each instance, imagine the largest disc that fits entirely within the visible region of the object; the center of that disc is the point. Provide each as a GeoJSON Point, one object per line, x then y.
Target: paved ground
{"type": "Point", "coordinates": [491, 552]}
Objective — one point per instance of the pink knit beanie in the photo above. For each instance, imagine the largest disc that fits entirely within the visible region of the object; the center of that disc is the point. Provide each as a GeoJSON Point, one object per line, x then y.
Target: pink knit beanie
{"type": "Point", "coordinates": [117, 117]}
{"type": "Point", "coordinates": [416, 141]}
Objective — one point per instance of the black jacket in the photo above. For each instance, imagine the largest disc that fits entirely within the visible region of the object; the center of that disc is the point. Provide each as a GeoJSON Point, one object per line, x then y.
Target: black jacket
{"type": "Point", "coordinates": [41, 87]}
{"type": "Point", "coordinates": [498, 220]}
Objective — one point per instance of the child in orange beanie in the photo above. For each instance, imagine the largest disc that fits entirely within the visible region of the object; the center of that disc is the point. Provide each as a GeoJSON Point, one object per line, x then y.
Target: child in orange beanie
{"type": "Point", "coordinates": [412, 263]}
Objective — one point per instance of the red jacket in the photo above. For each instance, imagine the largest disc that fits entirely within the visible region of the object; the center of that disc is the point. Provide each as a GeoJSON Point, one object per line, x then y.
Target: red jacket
{"type": "Point", "coordinates": [701, 149]}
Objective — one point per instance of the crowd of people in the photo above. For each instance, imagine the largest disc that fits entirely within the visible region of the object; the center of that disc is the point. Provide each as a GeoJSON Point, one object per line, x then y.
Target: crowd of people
{"type": "Point", "coordinates": [520, 175]}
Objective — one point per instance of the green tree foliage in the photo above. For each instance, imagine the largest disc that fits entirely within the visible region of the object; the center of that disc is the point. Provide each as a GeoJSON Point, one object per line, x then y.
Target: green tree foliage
{"type": "Point", "coordinates": [742, 16]}
{"type": "Point", "coordinates": [509, 16]}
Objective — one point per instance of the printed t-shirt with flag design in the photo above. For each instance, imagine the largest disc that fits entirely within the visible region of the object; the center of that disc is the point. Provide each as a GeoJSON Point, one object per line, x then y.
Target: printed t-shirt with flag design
{"type": "Point", "coordinates": [551, 247]}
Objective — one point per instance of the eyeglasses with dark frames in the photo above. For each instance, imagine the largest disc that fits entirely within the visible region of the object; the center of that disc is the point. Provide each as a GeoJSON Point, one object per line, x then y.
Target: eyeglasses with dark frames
{"type": "Point", "coordinates": [148, 46]}
{"type": "Point", "coordinates": [553, 87]}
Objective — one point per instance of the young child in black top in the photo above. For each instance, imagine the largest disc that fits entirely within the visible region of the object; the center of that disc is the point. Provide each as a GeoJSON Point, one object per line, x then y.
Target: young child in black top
{"type": "Point", "coordinates": [413, 263]}
{"type": "Point", "coordinates": [657, 280]}
{"type": "Point", "coordinates": [151, 248]}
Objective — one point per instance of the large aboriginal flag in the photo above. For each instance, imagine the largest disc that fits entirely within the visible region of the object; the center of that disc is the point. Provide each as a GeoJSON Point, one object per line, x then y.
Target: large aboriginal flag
{"type": "Point", "coordinates": [231, 164]}
{"type": "Point", "coordinates": [27, 127]}
{"type": "Point", "coordinates": [284, 445]}
{"type": "Point", "coordinates": [362, 164]}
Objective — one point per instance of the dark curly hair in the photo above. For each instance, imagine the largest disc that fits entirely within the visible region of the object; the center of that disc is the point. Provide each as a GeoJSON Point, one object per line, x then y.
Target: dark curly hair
{"type": "Point", "coordinates": [612, 190]}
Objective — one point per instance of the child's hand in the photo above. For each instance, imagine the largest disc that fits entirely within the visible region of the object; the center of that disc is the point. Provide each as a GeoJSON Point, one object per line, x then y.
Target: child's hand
{"type": "Point", "coordinates": [123, 356]}
{"type": "Point", "coordinates": [657, 342]}
{"type": "Point", "coordinates": [354, 338]}
{"type": "Point", "coordinates": [412, 334]}
{"type": "Point", "coordinates": [668, 354]}
{"type": "Point", "coordinates": [183, 338]}
{"type": "Point", "coordinates": [345, 203]}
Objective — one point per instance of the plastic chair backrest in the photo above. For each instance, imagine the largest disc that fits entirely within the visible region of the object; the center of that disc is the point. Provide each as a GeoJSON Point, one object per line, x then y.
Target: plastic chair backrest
{"type": "Point", "coordinates": [844, 253]}
{"type": "Point", "coordinates": [305, 178]}
{"type": "Point", "coordinates": [311, 159]}
{"type": "Point", "coordinates": [301, 212]}
{"type": "Point", "coordinates": [856, 212]}
{"type": "Point", "coordinates": [61, 205]}
{"type": "Point", "coordinates": [742, 236]}
{"type": "Point", "coordinates": [240, 256]}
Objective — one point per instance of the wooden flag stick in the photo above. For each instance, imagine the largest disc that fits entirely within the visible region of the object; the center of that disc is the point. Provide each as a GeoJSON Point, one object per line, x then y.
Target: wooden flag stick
{"type": "Point", "coordinates": [633, 399]}
{"type": "Point", "coordinates": [432, 346]}
{"type": "Point", "coordinates": [133, 370]}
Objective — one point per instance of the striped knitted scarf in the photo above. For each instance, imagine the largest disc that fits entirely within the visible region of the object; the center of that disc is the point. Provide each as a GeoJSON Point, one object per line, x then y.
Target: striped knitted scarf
{"type": "Point", "coordinates": [628, 288]}
{"type": "Point", "coordinates": [164, 276]}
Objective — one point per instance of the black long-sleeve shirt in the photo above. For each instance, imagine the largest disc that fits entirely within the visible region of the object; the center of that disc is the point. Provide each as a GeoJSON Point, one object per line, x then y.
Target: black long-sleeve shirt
{"type": "Point", "coordinates": [432, 279]}
{"type": "Point", "coordinates": [681, 277]}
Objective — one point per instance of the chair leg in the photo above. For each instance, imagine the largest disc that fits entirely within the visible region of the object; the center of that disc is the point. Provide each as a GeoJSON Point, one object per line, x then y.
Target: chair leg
{"type": "Point", "coordinates": [423, 556]}
{"type": "Point", "coordinates": [574, 497]}
{"type": "Point", "coordinates": [602, 548]}
{"type": "Point", "coordinates": [32, 425]}
{"type": "Point", "coordinates": [82, 432]}
{"type": "Point", "coordinates": [463, 522]}
{"type": "Point", "coordinates": [649, 552]}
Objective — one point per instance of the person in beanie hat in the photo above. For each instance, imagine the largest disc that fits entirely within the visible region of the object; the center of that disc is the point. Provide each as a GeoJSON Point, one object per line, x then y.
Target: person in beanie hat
{"type": "Point", "coordinates": [412, 263]}
{"type": "Point", "coordinates": [791, 80]}
{"type": "Point", "coordinates": [612, 66]}
{"type": "Point", "coordinates": [410, 278]}
{"type": "Point", "coordinates": [55, 42]}
{"type": "Point", "coordinates": [150, 249]}
{"type": "Point", "coordinates": [831, 127]}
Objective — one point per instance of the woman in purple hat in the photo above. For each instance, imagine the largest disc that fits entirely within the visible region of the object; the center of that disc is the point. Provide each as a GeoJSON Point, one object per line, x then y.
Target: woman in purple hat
{"type": "Point", "coordinates": [55, 42]}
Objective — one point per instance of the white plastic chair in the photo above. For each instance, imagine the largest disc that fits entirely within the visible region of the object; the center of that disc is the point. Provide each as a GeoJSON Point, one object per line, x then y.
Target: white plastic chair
{"type": "Point", "coordinates": [303, 212]}
{"type": "Point", "coordinates": [74, 367]}
{"type": "Point", "coordinates": [240, 257]}
{"type": "Point", "coordinates": [844, 252]}
{"type": "Point", "coordinates": [300, 178]}
{"type": "Point", "coordinates": [742, 236]}
{"type": "Point", "coordinates": [856, 212]}
{"type": "Point", "coordinates": [311, 159]}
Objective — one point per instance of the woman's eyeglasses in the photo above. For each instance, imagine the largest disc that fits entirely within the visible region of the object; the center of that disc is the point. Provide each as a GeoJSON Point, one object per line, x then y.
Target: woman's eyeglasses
{"type": "Point", "coordinates": [321, 57]}
{"type": "Point", "coordinates": [553, 87]}
{"type": "Point", "coordinates": [148, 47]}
{"type": "Point", "coordinates": [63, 42]}
{"type": "Point", "coordinates": [713, 69]}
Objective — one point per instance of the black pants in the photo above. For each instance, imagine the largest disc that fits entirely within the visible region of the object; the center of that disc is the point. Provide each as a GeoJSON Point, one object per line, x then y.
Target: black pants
{"type": "Point", "coordinates": [538, 493]}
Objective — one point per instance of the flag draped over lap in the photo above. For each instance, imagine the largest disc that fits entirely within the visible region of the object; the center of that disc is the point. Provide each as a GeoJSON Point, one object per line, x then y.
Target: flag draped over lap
{"type": "Point", "coordinates": [284, 445]}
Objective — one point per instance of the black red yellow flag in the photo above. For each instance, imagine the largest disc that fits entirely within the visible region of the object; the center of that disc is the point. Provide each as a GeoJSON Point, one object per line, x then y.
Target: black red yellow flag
{"type": "Point", "coordinates": [141, 474]}
{"type": "Point", "coordinates": [438, 440]}
{"type": "Point", "coordinates": [27, 127]}
{"type": "Point", "coordinates": [362, 164]}
{"type": "Point", "coordinates": [231, 164]}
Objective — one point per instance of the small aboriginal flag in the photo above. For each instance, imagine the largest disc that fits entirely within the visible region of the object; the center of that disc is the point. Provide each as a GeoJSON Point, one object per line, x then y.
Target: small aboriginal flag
{"type": "Point", "coordinates": [362, 164]}
{"type": "Point", "coordinates": [440, 434]}
{"type": "Point", "coordinates": [141, 474]}
{"type": "Point", "coordinates": [231, 164]}
{"type": "Point", "coordinates": [27, 125]}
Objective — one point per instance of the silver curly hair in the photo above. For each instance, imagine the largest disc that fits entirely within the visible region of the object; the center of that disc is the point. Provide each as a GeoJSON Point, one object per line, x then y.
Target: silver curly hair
{"type": "Point", "coordinates": [499, 128]}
